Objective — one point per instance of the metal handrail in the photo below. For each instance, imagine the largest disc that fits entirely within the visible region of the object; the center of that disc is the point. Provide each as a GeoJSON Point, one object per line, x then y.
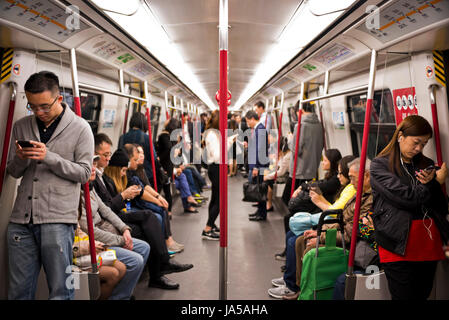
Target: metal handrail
{"type": "Point", "coordinates": [116, 93]}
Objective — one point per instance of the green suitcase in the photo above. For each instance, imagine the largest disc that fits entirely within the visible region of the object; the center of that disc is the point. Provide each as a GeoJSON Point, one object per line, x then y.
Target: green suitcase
{"type": "Point", "coordinates": [321, 268]}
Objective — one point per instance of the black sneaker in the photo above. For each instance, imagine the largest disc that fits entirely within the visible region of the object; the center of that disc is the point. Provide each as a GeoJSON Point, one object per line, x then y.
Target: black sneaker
{"type": "Point", "coordinates": [210, 235]}
{"type": "Point", "coordinates": [215, 229]}
{"type": "Point", "coordinates": [281, 256]}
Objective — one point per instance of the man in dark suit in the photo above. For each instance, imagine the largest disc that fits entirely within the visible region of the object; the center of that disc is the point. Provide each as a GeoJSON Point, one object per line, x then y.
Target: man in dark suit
{"type": "Point", "coordinates": [257, 158]}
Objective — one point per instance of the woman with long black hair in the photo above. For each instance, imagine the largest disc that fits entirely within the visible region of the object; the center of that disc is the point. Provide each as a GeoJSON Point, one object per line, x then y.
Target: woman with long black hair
{"type": "Point", "coordinates": [410, 210]}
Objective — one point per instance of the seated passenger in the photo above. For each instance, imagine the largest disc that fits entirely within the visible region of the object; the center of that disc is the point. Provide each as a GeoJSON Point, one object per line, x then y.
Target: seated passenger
{"type": "Point", "coordinates": [308, 240]}
{"type": "Point", "coordinates": [165, 185]}
{"type": "Point", "coordinates": [110, 275]}
{"type": "Point", "coordinates": [113, 232]}
{"type": "Point", "coordinates": [181, 183]}
{"type": "Point", "coordinates": [286, 285]}
{"type": "Point", "coordinates": [347, 191]}
{"type": "Point", "coordinates": [138, 125]}
{"type": "Point", "coordinates": [329, 186]}
{"type": "Point", "coordinates": [149, 228]}
{"type": "Point", "coordinates": [149, 198]}
{"type": "Point", "coordinates": [281, 173]}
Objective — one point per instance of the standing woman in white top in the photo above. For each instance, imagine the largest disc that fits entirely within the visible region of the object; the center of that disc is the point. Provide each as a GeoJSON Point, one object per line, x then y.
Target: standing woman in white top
{"type": "Point", "coordinates": [212, 139]}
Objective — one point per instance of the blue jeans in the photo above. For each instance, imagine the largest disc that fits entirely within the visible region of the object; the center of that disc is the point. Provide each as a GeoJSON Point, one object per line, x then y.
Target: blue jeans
{"type": "Point", "coordinates": [193, 188]}
{"type": "Point", "coordinates": [182, 185]}
{"type": "Point", "coordinates": [200, 182]}
{"type": "Point", "coordinates": [290, 264]}
{"type": "Point", "coordinates": [31, 246]}
{"type": "Point", "coordinates": [135, 261]}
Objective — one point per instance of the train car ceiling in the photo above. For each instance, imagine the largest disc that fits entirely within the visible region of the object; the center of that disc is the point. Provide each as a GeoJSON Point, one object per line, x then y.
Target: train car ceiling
{"type": "Point", "coordinates": [44, 27]}
{"type": "Point", "coordinates": [262, 38]}
{"type": "Point", "coordinates": [272, 48]}
{"type": "Point", "coordinates": [346, 50]}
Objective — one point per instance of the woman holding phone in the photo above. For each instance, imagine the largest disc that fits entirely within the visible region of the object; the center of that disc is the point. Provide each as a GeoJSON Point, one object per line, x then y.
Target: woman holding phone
{"type": "Point", "coordinates": [410, 210]}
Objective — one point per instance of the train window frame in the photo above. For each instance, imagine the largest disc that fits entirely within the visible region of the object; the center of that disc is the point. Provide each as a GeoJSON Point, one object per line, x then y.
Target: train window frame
{"type": "Point", "coordinates": [385, 125]}
{"type": "Point", "coordinates": [292, 117]}
{"type": "Point", "coordinates": [155, 115]}
{"type": "Point", "coordinates": [94, 117]}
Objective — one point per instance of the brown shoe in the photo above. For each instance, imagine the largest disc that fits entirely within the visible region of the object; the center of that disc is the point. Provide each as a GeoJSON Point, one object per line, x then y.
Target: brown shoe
{"type": "Point", "coordinates": [292, 296]}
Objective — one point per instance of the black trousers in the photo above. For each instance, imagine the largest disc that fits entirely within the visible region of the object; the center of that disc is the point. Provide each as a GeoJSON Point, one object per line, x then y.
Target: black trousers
{"type": "Point", "coordinates": [410, 280]}
{"type": "Point", "coordinates": [145, 226]}
{"type": "Point", "coordinates": [213, 171]}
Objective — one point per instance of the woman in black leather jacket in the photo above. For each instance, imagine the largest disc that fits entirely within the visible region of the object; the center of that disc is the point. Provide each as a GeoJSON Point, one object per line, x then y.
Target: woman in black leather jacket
{"type": "Point", "coordinates": [410, 211]}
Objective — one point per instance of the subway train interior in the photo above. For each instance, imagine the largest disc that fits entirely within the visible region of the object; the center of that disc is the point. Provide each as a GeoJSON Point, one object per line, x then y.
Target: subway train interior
{"type": "Point", "coordinates": [173, 59]}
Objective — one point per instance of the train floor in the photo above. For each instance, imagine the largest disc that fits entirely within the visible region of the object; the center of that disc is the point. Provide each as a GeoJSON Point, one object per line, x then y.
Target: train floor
{"type": "Point", "coordinates": [251, 249]}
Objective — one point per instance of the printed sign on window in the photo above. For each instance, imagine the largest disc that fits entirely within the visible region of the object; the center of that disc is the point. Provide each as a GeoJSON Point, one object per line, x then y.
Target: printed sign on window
{"type": "Point", "coordinates": [405, 103]}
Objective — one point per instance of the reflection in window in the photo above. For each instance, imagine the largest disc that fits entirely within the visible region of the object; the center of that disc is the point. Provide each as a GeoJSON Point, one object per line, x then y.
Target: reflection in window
{"type": "Point", "coordinates": [90, 106]}
{"type": "Point", "coordinates": [382, 122]}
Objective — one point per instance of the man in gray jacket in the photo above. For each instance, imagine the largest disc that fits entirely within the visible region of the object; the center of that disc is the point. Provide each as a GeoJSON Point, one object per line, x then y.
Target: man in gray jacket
{"type": "Point", "coordinates": [57, 160]}
{"type": "Point", "coordinates": [310, 147]}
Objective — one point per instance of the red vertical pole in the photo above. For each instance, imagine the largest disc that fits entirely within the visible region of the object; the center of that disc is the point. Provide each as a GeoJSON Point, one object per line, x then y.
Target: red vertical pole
{"type": "Point", "coordinates": [223, 174]}
{"type": "Point", "coordinates": [223, 161]}
{"type": "Point", "coordinates": [7, 138]}
{"type": "Point", "coordinates": [366, 128]}
{"type": "Point", "coordinates": [436, 130]}
{"type": "Point", "coordinates": [153, 165]}
{"type": "Point", "coordinates": [126, 120]}
{"type": "Point", "coordinates": [150, 138]}
{"type": "Point", "coordinates": [77, 107]}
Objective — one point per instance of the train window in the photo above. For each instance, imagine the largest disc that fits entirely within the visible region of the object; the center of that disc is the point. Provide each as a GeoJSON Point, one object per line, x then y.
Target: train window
{"type": "Point", "coordinates": [90, 106]}
{"type": "Point", "coordinates": [382, 125]}
{"type": "Point", "coordinates": [155, 115]}
{"type": "Point", "coordinates": [292, 117]}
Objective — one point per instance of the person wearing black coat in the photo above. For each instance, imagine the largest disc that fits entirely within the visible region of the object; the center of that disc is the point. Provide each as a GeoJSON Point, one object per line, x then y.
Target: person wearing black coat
{"type": "Point", "coordinates": [409, 211]}
{"type": "Point", "coordinates": [144, 223]}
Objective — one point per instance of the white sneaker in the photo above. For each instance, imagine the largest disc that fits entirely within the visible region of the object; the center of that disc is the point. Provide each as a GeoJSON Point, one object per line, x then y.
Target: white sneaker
{"type": "Point", "coordinates": [278, 282]}
{"type": "Point", "coordinates": [279, 292]}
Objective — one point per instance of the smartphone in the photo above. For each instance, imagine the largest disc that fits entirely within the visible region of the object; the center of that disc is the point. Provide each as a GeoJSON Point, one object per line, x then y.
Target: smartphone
{"type": "Point", "coordinates": [25, 144]}
{"type": "Point", "coordinates": [431, 167]}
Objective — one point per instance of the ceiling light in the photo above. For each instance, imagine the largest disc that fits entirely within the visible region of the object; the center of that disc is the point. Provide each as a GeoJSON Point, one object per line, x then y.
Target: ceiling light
{"type": "Point", "coordinates": [296, 35]}
{"type": "Point", "coordinates": [145, 28]}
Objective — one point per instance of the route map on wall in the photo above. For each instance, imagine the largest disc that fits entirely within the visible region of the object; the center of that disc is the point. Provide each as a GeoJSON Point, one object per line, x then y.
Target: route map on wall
{"type": "Point", "coordinates": [43, 17]}
{"type": "Point", "coordinates": [405, 16]}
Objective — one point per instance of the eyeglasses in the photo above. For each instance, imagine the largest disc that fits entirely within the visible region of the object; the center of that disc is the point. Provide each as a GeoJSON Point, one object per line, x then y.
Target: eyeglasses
{"type": "Point", "coordinates": [44, 108]}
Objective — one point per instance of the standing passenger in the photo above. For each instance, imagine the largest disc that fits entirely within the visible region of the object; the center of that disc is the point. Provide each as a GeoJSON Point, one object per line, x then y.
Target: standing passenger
{"type": "Point", "coordinates": [257, 159]}
{"type": "Point", "coordinates": [309, 151]}
{"type": "Point", "coordinates": [410, 211]}
{"type": "Point", "coordinates": [212, 138]}
{"type": "Point", "coordinates": [44, 217]}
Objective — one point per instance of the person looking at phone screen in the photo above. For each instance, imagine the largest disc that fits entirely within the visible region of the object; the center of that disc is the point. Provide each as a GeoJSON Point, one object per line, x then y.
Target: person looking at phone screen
{"type": "Point", "coordinates": [44, 216]}
{"type": "Point", "coordinates": [410, 211]}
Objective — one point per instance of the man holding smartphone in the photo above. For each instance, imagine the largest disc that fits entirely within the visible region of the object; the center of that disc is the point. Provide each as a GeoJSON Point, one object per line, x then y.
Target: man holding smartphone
{"type": "Point", "coordinates": [44, 216]}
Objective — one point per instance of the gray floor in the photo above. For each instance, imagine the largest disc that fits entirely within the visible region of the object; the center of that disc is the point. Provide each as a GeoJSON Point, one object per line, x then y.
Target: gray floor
{"type": "Point", "coordinates": [251, 249]}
